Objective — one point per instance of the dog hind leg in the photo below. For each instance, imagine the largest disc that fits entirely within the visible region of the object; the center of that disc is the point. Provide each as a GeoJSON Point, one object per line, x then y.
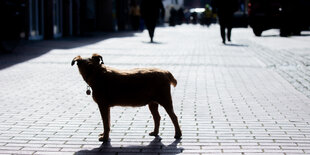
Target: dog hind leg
{"type": "Point", "coordinates": [156, 117]}
{"type": "Point", "coordinates": [167, 104]}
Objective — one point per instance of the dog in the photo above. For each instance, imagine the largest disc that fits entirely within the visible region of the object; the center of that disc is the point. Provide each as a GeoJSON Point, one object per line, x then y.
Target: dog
{"type": "Point", "coordinates": [134, 88]}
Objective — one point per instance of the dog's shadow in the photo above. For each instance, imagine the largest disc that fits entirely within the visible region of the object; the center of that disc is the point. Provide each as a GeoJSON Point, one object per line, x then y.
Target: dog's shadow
{"type": "Point", "coordinates": [155, 147]}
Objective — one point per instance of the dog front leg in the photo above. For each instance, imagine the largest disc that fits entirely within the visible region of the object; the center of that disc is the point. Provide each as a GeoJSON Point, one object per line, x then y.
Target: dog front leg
{"type": "Point", "coordinates": [156, 117]}
{"type": "Point", "coordinates": [105, 116]}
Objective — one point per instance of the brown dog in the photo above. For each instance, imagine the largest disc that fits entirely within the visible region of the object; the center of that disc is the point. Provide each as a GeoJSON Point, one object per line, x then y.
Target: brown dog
{"type": "Point", "coordinates": [137, 87]}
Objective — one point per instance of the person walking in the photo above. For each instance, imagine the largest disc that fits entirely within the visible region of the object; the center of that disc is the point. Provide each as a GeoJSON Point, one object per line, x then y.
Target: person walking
{"type": "Point", "coordinates": [150, 10]}
{"type": "Point", "coordinates": [225, 10]}
{"type": "Point", "coordinates": [134, 15]}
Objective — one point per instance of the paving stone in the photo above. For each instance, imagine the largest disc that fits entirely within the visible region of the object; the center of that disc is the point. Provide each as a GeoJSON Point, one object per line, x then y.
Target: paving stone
{"type": "Point", "coordinates": [250, 96]}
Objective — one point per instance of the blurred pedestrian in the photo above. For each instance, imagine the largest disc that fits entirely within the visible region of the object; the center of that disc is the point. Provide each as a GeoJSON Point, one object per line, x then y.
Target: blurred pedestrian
{"type": "Point", "coordinates": [180, 16]}
{"type": "Point", "coordinates": [150, 10]}
{"type": "Point", "coordinates": [208, 15]}
{"type": "Point", "coordinates": [225, 10]}
{"type": "Point", "coordinates": [187, 16]}
{"type": "Point", "coordinates": [135, 15]}
{"type": "Point", "coordinates": [194, 17]}
{"type": "Point", "coordinates": [173, 16]}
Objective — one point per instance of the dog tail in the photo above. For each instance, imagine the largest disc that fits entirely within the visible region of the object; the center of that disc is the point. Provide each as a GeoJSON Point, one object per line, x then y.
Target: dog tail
{"type": "Point", "coordinates": [172, 80]}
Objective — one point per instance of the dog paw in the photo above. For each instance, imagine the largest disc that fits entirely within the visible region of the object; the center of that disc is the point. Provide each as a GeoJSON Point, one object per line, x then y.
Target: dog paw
{"type": "Point", "coordinates": [153, 134]}
{"type": "Point", "coordinates": [178, 135]}
{"type": "Point", "coordinates": [104, 139]}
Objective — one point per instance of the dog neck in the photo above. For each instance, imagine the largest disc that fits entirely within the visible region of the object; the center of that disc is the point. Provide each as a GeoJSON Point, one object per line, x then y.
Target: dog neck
{"type": "Point", "coordinates": [90, 72]}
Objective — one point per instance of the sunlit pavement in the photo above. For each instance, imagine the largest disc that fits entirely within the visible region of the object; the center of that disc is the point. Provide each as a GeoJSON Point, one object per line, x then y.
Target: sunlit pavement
{"type": "Point", "coordinates": [247, 97]}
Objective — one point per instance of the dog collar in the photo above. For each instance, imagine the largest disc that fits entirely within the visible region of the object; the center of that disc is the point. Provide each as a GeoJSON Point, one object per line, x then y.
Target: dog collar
{"type": "Point", "coordinates": [88, 91]}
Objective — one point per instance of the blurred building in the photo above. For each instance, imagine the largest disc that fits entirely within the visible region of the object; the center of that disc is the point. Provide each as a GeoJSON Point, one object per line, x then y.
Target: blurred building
{"type": "Point", "coordinates": [48, 19]}
{"type": "Point", "coordinates": [193, 3]}
{"type": "Point", "coordinates": [202, 3]}
{"type": "Point", "coordinates": [172, 4]}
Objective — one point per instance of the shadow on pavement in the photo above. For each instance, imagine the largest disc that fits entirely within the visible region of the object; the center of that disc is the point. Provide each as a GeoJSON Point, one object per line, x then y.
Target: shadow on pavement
{"type": "Point", "coordinates": [270, 35]}
{"type": "Point", "coordinates": [27, 50]}
{"type": "Point", "coordinates": [275, 35]}
{"type": "Point", "coordinates": [236, 45]}
{"type": "Point", "coordinates": [154, 42]}
{"type": "Point", "coordinates": [155, 147]}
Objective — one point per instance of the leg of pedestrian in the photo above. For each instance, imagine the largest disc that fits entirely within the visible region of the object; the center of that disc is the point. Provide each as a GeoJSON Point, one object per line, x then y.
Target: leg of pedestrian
{"type": "Point", "coordinates": [223, 33]}
{"type": "Point", "coordinates": [229, 33]}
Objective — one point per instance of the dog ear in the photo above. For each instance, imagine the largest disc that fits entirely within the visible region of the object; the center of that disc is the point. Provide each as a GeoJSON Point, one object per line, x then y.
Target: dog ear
{"type": "Point", "coordinates": [76, 59]}
{"type": "Point", "coordinates": [97, 58]}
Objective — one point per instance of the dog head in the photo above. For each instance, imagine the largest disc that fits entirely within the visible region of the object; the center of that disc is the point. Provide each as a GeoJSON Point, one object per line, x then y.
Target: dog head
{"type": "Point", "coordinates": [96, 59]}
{"type": "Point", "coordinates": [88, 66]}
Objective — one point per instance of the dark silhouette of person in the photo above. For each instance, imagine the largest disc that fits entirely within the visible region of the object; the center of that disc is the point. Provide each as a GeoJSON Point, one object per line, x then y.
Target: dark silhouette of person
{"type": "Point", "coordinates": [225, 10]}
{"type": "Point", "coordinates": [173, 17]}
{"type": "Point", "coordinates": [180, 16]}
{"type": "Point", "coordinates": [135, 15]}
{"type": "Point", "coordinates": [150, 11]}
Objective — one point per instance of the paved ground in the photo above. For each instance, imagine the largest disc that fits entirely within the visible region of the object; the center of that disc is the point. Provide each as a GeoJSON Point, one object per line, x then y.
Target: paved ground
{"type": "Point", "coordinates": [248, 97]}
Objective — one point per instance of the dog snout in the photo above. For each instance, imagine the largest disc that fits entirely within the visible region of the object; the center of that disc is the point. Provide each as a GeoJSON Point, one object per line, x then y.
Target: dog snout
{"type": "Point", "coordinates": [78, 58]}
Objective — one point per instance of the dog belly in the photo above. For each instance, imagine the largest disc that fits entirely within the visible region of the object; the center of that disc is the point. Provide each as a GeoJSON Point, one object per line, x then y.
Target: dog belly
{"type": "Point", "coordinates": [124, 96]}
{"type": "Point", "coordinates": [129, 104]}
{"type": "Point", "coordinates": [122, 100]}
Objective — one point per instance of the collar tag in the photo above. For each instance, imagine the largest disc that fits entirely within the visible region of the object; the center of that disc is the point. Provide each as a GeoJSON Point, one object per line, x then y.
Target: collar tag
{"type": "Point", "coordinates": [88, 92]}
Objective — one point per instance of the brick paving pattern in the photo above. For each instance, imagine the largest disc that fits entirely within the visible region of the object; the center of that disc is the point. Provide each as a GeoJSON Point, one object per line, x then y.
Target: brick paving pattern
{"type": "Point", "coordinates": [249, 97]}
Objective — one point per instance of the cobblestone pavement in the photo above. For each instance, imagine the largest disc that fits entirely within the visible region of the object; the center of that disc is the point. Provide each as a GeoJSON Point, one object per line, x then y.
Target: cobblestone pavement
{"type": "Point", "coordinates": [248, 97]}
{"type": "Point", "coordinates": [290, 57]}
